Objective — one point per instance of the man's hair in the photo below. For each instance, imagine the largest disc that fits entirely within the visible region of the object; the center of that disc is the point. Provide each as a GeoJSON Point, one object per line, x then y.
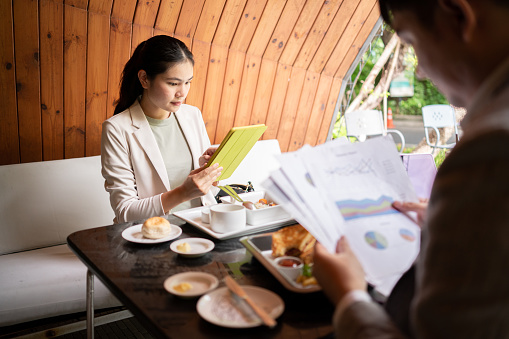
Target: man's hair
{"type": "Point", "coordinates": [422, 8]}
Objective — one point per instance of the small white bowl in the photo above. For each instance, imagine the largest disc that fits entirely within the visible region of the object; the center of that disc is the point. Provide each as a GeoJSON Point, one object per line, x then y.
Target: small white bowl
{"type": "Point", "coordinates": [200, 282]}
{"type": "Point", "coordinates": [226, 218]}
{"type": "Point", "coordinates": [290, 272]}
{"type": "Point", "coordinates": [259, 216]}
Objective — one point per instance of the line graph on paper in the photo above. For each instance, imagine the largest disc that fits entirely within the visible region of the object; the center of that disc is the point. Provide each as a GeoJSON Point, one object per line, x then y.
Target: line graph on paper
{"type": "Point", "coordinates": [354, 209]}
{"type": "Point", "coordinates": [364, 166]}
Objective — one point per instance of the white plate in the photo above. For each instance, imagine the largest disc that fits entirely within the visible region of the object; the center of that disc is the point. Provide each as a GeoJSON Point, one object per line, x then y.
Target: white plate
{"type": "Point", "coordinates": [221, 308]}
{"type": "Point", "coordinates": [260, 247]}
{"type": "Point", "coordinates": [193, 217]}
{"type": "Point", "coordinates": [201, 283]}
{"type": "Point", "coordinates": [199, 247]}
{"type": "Point", "coordinates": [133, 234]}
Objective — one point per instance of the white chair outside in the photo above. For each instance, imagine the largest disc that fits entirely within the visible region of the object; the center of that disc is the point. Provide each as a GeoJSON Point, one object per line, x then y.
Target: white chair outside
{"type": "Point", "coordinates": [439, 116]}
{"type": "Point", "coordinates": [367, 123]}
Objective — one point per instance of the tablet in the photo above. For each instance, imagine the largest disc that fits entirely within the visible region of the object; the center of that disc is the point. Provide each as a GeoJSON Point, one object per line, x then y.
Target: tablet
{"type": "Point", "coordinates": [234, 148]}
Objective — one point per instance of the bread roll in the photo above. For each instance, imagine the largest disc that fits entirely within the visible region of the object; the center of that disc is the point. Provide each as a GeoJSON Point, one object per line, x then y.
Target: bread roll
{"type": "Point", "coordinates": [156, 228]}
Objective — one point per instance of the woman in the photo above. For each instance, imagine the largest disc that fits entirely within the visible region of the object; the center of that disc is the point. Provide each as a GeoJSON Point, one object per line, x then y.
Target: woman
{"type": "Point", "coordinates": [154, 148]}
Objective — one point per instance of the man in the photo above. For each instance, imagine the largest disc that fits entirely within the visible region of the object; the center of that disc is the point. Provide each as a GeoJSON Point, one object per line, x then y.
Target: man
{"type": "Point", "coordinates": [462, 280]}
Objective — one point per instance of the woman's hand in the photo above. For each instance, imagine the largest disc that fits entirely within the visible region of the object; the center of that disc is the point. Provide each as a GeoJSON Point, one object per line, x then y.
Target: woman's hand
{"type": "Point", "coordinates": [206, 155]}
{"type": "Point", "coordinates": [338, 273]}
{"type": "Point", "coordinates": [199, 181]}
{"type": "Point", "coordinates": [420, 208]}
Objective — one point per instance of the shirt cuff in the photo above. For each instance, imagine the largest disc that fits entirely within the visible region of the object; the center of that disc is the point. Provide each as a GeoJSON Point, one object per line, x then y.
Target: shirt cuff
{"type": "Point", "coordinates": [161, 206]}
{"type": "Point", "coordinates": [351, 298]}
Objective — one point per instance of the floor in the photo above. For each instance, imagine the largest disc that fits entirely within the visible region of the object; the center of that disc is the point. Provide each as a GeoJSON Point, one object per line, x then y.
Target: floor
{"type": "Point", "coordinates": [126, 328]}
{"type": "Point", "coordinates": [118, 323]}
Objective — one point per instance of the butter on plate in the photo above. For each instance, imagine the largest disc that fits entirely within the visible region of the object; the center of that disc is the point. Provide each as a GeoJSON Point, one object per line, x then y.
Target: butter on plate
{"type": "Point", "coordinates": [184, 247]}
{"type": "Point", "coordinates": [183, 287]}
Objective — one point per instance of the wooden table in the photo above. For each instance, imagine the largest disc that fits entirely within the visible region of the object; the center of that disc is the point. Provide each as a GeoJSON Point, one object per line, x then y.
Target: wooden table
{"type": "Point", "coordinates": [135, 274]}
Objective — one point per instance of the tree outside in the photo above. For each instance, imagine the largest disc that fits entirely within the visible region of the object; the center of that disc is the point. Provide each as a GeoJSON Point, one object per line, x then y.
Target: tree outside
{"type": "Point", "coordinates": [387, 59]}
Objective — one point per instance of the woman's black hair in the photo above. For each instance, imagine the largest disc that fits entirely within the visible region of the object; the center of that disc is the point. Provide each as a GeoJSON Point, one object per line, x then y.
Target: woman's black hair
{"type": "Point", "coordinates": [154, 56]}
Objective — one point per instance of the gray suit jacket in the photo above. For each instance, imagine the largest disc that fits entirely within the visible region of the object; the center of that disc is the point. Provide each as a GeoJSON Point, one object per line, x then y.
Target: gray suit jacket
{"type": "Point", "coordinates": [462, 280]}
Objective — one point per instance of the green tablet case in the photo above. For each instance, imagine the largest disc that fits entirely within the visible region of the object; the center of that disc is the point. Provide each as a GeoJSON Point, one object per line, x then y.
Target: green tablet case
{"type": "Point", "coordinates": [234, 148]}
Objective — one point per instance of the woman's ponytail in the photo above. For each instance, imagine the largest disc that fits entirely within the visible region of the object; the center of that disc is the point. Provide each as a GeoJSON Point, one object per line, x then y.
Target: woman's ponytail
{"type": "Point", "coordinates": [130, 86]}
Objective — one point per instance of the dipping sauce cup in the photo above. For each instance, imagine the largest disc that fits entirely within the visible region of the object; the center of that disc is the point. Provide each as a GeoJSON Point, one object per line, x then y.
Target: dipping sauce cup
{"type": "Point", "coordinates": [290, 267]}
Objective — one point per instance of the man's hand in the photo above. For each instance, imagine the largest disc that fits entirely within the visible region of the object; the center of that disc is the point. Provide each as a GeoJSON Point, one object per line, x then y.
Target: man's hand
{"type": "Point", "coordinates": [338, 273]}
{"type": "Point", "coordinates": [420, 208]}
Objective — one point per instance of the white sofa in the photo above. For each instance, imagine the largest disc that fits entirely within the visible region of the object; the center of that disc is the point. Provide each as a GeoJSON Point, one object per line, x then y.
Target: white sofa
{"type": "Point", "coordinates": [40, 205]}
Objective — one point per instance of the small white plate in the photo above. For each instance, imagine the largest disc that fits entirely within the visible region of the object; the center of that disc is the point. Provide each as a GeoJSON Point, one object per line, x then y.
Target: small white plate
{"type": "Point", "coordinates": [201, 283]}
{"type": "Point", "coordinates": [222, 308]}
{"type": "Point", "coordinates": [199, 247]}
{"type": "Point", "coordinates": [133, 234]}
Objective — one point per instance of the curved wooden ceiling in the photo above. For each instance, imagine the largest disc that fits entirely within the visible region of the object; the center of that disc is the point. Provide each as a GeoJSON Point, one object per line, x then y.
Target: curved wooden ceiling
{"type": "Point", "coordinates": [278, 62]}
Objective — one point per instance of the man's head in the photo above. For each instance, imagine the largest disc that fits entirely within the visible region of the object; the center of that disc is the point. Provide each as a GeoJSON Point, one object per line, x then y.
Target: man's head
{"type": "Point", "coordinates": [458, 42]}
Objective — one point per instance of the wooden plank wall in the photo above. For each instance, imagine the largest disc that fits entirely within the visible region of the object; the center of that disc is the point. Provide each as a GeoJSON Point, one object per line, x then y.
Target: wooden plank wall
{"type": "Point", "coordinates": [278, 62]}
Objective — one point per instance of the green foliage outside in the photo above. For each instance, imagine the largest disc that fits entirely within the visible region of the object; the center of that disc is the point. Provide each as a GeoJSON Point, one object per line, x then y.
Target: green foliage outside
{"type": "Point", "coordinates": [425, 93]}
{"type": "Point", "coordinates": [440, 157]}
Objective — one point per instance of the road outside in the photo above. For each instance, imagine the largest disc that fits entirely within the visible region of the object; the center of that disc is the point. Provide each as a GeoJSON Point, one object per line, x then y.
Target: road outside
{"type": "Point", "coordinates": [411, 126]}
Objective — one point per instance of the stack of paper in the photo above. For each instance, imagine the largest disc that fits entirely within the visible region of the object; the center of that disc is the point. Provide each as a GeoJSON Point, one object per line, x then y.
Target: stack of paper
{"type": "Point", "coordinates": [342, 188]}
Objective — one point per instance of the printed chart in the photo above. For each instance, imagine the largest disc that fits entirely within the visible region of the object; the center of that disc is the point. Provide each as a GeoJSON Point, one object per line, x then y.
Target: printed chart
{"type": "Point", "coordinates": [353, 209]}
{"type": "Point", "coordinates": [376, 240]}
{"type": "Point", "coordinates": [407, 234]}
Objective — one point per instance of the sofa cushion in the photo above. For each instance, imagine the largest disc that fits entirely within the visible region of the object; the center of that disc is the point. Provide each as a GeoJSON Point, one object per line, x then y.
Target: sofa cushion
{"type": "Point", "coordinates": [43, 202]}
{"type": "Point", "coordinates": [46, 282]}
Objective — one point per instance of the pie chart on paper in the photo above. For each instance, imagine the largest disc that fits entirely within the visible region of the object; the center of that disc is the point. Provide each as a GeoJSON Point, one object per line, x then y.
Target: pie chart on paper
{"type": "Point", "coordinates": [407, 234]}
{"type": "Point", "coordinates": [376, 240]}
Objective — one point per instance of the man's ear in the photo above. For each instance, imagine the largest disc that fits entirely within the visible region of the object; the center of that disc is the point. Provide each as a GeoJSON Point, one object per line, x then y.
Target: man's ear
{"type": "Point", "coordinates": [142, 76]}
{"type": "Point", "coordinates": [466, 15]}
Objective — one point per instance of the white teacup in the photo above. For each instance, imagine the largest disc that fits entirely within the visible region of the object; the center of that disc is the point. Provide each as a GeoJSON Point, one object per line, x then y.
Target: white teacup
{"type": "Point", "coordinates": [226, 218]}
{"type": "Point", "coordinates": [205, 215]}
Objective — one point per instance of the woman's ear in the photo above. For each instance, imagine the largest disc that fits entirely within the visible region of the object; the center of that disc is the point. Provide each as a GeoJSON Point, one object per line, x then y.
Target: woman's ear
{"type": "Point", "coordinates": [465, 13]}
{"type": "Point", "coordinates": [142, 76]}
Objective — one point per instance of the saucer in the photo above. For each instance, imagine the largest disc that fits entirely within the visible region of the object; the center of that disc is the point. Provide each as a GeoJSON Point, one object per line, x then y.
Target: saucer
{"type": "Point", "coordinates": [133, 234]}
{"type": "Point", "coordinates": [221, 308]}
{"type": "Point", "coordinates": [197, 247]}
{"type": "Point", "coordinates": [200, 283]}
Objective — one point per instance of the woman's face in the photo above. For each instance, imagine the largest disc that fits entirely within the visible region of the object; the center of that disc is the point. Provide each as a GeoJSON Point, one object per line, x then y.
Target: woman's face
{"type": "Point", "coordinates": [166, 91]}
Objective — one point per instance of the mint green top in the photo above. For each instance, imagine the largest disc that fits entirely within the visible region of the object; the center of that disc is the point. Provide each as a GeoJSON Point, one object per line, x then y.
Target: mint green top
{"type": "Point", "coordinates": [175, 152]}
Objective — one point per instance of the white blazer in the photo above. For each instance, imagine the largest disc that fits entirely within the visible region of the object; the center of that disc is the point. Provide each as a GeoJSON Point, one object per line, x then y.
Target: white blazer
{"type": "Point", "coordinates": [133, 167]}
